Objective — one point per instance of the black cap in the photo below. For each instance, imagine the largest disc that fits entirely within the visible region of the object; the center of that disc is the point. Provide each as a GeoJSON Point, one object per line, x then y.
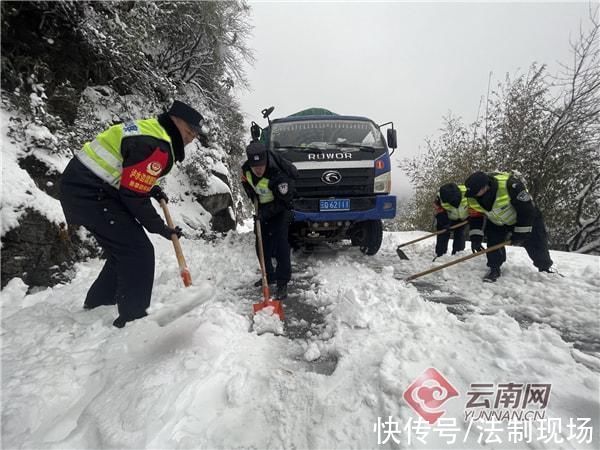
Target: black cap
{"type": "Point", "coordinates": [188, 114]}
{"type": "Point", "coordinates": [475, 182]}
{"type": "Point", "coordinates": [256, 153]}
{"type": "Point", "coordinates": [450, 193]}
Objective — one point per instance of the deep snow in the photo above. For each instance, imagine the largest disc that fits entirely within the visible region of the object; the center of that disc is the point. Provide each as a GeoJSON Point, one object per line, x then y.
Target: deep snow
{"type": "Point", "coordinates": [195, 374]}
{"type": "Point", "coordinates": [199, 373]}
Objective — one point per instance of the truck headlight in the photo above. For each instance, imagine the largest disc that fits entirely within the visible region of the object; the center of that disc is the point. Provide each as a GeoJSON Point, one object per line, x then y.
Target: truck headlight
{"type": "Point", "coordinates": [383, 183]}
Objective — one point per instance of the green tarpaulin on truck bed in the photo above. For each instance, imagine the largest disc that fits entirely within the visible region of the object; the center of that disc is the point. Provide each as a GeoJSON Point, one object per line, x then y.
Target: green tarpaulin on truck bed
{"type": "Point", "coordinates": [314, 112]}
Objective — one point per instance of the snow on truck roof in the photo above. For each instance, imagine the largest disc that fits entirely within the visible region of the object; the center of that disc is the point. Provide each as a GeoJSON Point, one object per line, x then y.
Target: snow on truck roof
{"type": "Point", "coordinates": [294, 118]}
{"type": "Point", "coordinates": [317, 114]}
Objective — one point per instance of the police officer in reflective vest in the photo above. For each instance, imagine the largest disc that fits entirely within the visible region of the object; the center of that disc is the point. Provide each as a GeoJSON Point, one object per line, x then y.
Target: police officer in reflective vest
{"type": "Point", "coordinates": [107, 187]}
{"type": "Point", "coordinates": [510, 213]}
{"type": "Point", "coordinates": [450, 209]}
{"type": "Point", "coordinates": [264, 178]}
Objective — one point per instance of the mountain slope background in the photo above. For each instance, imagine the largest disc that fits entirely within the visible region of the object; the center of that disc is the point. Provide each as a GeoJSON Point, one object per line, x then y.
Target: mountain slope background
{"type": "Point", "coordinates": [71, 69]}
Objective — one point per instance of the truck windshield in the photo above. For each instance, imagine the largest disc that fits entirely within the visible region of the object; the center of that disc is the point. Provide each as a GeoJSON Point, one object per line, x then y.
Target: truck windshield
{"type": "Point", "coordinates": [323, 134]}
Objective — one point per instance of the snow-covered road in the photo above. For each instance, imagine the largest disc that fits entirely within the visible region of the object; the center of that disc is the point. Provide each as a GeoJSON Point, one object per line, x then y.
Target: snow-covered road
{"type": "Point", "coordinates": [194, 374]}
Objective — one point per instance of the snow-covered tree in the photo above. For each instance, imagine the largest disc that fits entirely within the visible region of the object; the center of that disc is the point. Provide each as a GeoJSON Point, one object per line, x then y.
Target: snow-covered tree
{"type": "Point", "coordinates": [587, 234]}
{"type": "Point", "coordinates": [72, 68]}
{"type": "Point", "coordinates": [544, 128]}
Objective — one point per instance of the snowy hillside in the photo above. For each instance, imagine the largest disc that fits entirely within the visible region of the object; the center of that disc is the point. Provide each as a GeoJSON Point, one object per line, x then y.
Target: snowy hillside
{"type": "Point", "coordinates": [195, 374]}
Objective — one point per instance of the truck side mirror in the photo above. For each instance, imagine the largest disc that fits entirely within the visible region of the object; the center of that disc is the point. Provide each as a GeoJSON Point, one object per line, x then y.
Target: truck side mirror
{"type": "Point", "coordinates": [392, 139]}
{"type": "Point", "coordinates": [267, 112]}
{"type": "Point", "coordinates": [255, 131]}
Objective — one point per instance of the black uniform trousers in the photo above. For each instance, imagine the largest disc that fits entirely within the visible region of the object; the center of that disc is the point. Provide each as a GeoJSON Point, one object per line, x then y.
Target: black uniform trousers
{"type": "Point", "coordinates": [276, 245]}
{"type": "Point", "coordinates": [458, 244]}
{"type": "Point", "coordinates": [128, 273]}
{"type": "Point", "coordinates": [536, 246]}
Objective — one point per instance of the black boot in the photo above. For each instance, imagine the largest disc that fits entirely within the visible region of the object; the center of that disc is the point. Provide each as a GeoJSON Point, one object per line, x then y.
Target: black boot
{"type": "Point", "coordinates": [122, 320]}
{"type": "Point", "coordinates": [282, 291]}
{"type": "Point", "coordinates": [493, 275]}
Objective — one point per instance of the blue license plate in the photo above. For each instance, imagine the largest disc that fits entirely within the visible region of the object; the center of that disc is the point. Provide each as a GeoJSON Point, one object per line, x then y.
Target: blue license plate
{"type": "Point", "coordinates": [335, 204]}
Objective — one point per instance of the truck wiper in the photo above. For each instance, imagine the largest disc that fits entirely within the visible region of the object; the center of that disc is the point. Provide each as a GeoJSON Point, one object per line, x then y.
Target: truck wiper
{"type": "Point", "coordinates": [300, 147]}
{"type": "Point", "coordinates": [367, 148]}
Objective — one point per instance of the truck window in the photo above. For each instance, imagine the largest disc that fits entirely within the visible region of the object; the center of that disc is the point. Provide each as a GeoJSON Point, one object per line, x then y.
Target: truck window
{"type": "Point", "coordinates": [325, 133]}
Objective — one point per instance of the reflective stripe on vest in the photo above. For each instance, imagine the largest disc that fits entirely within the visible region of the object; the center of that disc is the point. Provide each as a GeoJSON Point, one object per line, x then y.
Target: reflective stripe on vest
{"type": "Point", "coordinates": [265, 195]}
{"type": "Point", "coordinates": [103, 155]}
{"type": "Point", "coordinates": [502, 212]}
{"type": "Point", "coordinates": [460, 213]}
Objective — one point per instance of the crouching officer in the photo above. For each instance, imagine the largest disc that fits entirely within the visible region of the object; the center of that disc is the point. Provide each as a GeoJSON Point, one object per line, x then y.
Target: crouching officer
{"type": "Point", "coordinates": [450, 209]}
{"type": "Point", "coordinates": [107, 187]}
{"type": "Point", "coordinates": [511, 213]}
{"type": "Point", "coordinates": [263, 178]}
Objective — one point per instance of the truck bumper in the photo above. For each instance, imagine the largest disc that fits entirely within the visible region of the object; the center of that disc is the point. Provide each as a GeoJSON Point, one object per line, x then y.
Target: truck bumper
{"type": "Point", "coordinates": [385, 208]}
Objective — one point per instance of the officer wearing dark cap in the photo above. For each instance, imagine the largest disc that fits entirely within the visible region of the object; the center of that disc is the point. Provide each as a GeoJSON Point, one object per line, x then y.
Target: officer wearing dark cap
{"type": "Point", "coordinates": [451, 208]}
{"type": "Point", "coordinates": [264, 179]}
{"type": "Point", "coordinates": [107, 188]}
{"type": "Point", "coordinates": [510, 213]}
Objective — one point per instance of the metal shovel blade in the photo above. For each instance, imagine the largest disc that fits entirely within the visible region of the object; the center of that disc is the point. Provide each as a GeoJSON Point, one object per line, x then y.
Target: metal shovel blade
{"type": "Point", "coordinates": [401, 254]}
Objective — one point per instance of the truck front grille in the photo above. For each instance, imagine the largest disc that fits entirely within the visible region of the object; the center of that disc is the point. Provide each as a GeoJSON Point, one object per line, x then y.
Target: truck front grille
{"type": "Point", "coordinates": [353, 182]}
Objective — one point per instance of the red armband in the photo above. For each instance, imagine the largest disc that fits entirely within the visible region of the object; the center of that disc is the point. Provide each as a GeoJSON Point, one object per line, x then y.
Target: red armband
{"type": "Point", "coordinates": [473, 213]}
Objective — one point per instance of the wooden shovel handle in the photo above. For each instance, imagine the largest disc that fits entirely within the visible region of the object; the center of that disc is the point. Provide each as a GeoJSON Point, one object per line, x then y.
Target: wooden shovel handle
{"type": "Point", "coordinates": [261, 255]}
{"type": "Point", "coordinates": [459, 260]}
{"type": "Point", "coordinates": [427, 236]}
{"type": "Point", "coordinates": [183, 268]}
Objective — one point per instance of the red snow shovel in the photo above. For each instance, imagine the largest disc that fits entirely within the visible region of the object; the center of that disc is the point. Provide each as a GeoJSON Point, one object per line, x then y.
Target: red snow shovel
{"type": "Point", "coordinates": [183, 269]}
{"type": "Point", "coordinates": [267, 302]}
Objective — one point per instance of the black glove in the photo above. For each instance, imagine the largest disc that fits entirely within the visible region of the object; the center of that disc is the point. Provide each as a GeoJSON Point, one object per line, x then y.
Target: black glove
{"type": "Point", "coordinates": [157, 193]}
{"type": "Point", "coordinates": [477, 243]}
{"type": "Point", "coordinates": [168, 232]}
{"type": "Point", "coordinates": [519, 239]}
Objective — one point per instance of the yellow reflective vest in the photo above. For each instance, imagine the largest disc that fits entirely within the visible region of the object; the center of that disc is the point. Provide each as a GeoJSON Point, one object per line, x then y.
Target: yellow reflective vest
{"type": "Point", "coordinates": [460, 213]}
{"type": "Point", "coordinates": [265, 195]}
{"type": "Point", "coordinates": [502, 212]}
{"type": "Point", "coordinates": [103, 155]}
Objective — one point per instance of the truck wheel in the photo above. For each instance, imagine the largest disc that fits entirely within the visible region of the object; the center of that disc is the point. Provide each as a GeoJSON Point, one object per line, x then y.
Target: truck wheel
{"type": "Point", "coordinates": [373, 235]}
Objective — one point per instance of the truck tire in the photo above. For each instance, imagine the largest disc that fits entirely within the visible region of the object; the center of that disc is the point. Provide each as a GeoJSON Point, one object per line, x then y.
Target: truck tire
{"type": "Point", "coordinates": [373, 235]}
